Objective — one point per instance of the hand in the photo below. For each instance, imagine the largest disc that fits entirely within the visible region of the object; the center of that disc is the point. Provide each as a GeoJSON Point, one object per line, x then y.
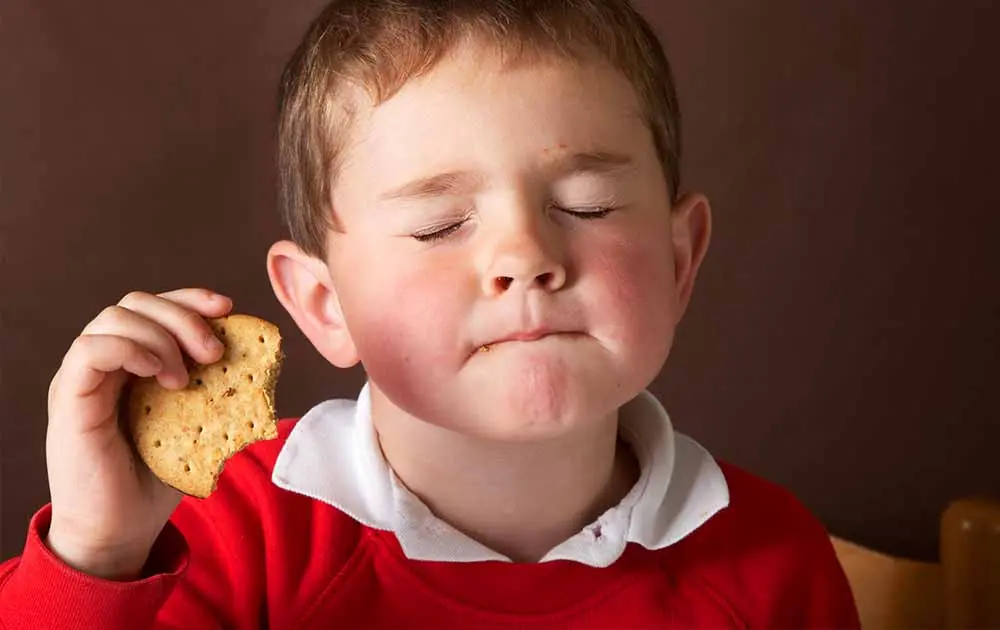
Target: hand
{"type": "Point", "coordinates": [107, 507]}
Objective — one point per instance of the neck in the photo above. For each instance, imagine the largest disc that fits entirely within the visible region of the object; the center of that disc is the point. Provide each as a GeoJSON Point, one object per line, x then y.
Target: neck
{"type": "Point", "coordinates": [484, 488]}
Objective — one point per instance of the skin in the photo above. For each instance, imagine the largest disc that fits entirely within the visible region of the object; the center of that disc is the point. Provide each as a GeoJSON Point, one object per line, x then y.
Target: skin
{"type": "Point", "coordinates": [500, 164]}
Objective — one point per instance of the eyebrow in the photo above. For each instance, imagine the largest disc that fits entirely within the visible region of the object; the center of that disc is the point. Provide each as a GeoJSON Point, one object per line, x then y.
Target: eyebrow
{"type": "Point", "coordinates": [592, 162]}
{"type": "Point", "coordinates": [457, 182]}
{"type": "Point", "coordinates": [438, 185]}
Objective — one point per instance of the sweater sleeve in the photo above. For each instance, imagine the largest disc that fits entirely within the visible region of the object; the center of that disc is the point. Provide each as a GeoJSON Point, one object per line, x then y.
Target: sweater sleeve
{"type": "Point", "coordinates": [802, 584]}
{"type": "Point", "coordinates": [38, 590]}
{"type": "Point", "coordinates": [205, 570]}
{"type": "Point", "coordinates": [815, 587]}
{"type": "Point", "coordinates": [772, 560]}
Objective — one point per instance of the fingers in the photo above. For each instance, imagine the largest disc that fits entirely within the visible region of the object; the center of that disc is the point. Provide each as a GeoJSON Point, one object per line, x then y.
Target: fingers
{"type": "Point", "coordinates": [166, 325]}
{"type": "Point", "coordinates": [92, 357]}
{"type": "Point", "coordinates": [145, 335]}
{"type": "Point", "coordinates": [157, 340]}
{"type": "Point", "coordinates": [204, 302]}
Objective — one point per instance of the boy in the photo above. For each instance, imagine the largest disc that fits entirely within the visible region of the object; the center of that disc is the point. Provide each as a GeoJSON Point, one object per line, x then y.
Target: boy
{"type": "Point", "coordinates": [484, 204]}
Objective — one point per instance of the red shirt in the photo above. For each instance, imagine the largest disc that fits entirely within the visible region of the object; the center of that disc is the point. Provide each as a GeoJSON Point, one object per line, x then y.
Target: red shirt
{"type": "Point", "coordinates": [255, 556]}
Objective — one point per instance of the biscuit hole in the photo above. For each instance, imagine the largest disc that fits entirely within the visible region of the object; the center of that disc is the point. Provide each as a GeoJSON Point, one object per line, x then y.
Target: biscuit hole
{"type": "Point", "coordinates": [224, 369]}
{"type": "Point", "coordinates": [250, 425]}
{"type": "Point", "coordinates": [148, 409]}
{"type": "Point", "coordinates": [261, 339]}
{"type": "Point", "coordinates": [222, 331]}
{"type": "Point", "coordinates": [198, 381]}
{"type": "Point", "coordinates": [250, 377]}
{"type": "Point", "coordinates": [225, 436]}
{"type": "Point", "coordinates": [194, 442]}
{"type": "Point", "coordinates": [187, 468]}
{"type": "Point", "coordinates": [201, 429]}
{"type": "Point", "coordinates": [157, 444]}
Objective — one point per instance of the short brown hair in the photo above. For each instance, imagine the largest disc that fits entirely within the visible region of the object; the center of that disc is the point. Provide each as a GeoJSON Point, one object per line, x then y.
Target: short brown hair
{"type": "Point", "coordinates": [379, 45]}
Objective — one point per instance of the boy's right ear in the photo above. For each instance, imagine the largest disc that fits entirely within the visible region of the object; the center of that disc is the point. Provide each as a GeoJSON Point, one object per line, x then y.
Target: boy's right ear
{"type": "Point", "coordinates": [303, 285]}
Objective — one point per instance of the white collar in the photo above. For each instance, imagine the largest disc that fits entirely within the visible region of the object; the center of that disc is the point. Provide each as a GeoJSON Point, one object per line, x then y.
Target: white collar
{"type": "Point", "coordinates": [333, 456]}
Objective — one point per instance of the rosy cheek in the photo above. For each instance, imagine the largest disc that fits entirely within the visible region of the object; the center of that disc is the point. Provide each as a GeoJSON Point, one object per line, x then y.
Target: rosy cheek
{"type": "Point", "coordinates": [407, 319]}
{"type": "Point", "coordinates": [632, 286]}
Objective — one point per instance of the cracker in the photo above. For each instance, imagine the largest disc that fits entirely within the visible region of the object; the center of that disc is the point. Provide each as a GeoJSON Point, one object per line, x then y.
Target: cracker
{"type": "Point", "coordinates": [185, 436]}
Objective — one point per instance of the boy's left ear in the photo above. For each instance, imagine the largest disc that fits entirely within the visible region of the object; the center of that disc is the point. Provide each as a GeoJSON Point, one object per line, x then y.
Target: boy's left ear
{"type": "Point", "coordinates": [691, 231]}
{"type": "Point", "coordinates": [303, 285]}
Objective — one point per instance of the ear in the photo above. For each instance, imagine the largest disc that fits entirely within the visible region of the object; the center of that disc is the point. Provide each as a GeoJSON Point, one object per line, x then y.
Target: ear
{"type": "Point", "coordinates": [303, 285]}
{"type": "Point", "coordinates": [691, 230]}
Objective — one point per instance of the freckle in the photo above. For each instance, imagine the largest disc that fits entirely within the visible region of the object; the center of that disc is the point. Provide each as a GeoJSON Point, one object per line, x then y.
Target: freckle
{"type": "Point", "coordinates": [562, 146]}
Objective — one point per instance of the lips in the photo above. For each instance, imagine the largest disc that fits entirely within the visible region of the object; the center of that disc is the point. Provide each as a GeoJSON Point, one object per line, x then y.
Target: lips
{"type": "Point", "coordinates": [525, 335]}
{"type": "Point", "coordinates": [529, 335]}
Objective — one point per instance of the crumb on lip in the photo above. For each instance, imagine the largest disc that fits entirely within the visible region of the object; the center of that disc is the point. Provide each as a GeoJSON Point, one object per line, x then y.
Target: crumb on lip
{"type": "Point", "coordinates": [485, 348]}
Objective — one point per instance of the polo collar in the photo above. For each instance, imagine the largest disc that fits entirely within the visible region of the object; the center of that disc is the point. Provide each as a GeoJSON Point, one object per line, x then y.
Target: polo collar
{"type": "Point", "coordinates": [332, 455]}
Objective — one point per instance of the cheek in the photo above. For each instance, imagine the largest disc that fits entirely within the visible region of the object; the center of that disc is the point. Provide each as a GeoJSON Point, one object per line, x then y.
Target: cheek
{"type": "Point", "coordinates": [631, 301]}
{"type": "Point", "coordinates": [403, 319]}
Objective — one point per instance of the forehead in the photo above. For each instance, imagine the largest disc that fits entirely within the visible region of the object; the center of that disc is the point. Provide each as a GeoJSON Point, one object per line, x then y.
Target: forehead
{"type": "Point", "coordinates": [477, 107]}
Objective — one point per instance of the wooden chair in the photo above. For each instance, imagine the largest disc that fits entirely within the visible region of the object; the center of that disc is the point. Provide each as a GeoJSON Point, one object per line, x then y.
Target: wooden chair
{"type": "Point", "coordinates": [961, 590]}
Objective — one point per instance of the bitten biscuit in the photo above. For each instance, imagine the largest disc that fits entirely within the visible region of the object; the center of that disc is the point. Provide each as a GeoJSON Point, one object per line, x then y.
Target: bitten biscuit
{"type": "Point", "coordinates": [185, 436]}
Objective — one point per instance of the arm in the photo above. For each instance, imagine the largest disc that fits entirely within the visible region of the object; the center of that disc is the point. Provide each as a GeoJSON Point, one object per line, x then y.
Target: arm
{"type": "Point", "coordinates": [103, 554]}
{"type": "Point", "coordinates": [38, 590]}
{"type": "Point", "coordinates": [205, 570]}
{"type": "Point", "coordinates": [815, 590]}
{"type": "Point", "coordinates": [774, 561]}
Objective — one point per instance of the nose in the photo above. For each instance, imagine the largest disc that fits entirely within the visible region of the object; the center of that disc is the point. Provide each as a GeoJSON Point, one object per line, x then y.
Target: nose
{"type": "Point", "coordinates": [525, 258]}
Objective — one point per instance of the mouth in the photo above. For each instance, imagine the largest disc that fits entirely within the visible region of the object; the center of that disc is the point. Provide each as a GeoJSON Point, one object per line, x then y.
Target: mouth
{"type": "Point", "coordinates": [524, 336]}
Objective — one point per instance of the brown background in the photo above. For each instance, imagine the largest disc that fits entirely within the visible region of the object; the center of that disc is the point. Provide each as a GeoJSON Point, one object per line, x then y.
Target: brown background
{"type": "Point", "coordinates": [843, 337]}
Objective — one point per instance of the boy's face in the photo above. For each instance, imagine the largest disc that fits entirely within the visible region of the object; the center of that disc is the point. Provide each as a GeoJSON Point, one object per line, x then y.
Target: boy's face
{"type": "Point", "coordinates": [474, 296]}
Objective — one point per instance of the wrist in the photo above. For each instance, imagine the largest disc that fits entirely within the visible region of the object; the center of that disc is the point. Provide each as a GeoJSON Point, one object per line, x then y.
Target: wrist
{"type": "Point", "coordinates": [118, 562]}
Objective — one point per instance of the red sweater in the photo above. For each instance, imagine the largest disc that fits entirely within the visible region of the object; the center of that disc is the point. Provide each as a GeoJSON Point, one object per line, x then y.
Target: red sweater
{"type": "Point", "coordinates": [255, 556]}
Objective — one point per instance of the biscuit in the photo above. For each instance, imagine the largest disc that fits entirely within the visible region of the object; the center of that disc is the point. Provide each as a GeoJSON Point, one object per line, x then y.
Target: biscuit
{"type": "Point", "coordinates": [185, 436]}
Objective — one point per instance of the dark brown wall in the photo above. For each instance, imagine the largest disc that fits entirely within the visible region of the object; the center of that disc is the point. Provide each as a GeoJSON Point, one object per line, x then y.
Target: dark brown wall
{"type": "Point", "coordinates": [843, 336]}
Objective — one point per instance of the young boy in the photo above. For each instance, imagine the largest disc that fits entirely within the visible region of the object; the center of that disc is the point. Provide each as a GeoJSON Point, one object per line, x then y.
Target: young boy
{"type": "Point", "coordinates": [485, 210]}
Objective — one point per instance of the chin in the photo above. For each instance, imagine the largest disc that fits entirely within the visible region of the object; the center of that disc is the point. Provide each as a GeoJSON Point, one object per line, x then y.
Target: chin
{"type": "Point", "coordinates": [498, 426]}
{"type": "Point", "coordinates": [536, 406]}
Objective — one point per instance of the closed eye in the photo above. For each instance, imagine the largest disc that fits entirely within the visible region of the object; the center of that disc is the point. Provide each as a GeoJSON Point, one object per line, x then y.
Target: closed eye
{"type": "Point", "coordinates": [584, 212]}
{"type": "Point", "coordinates": [588, 212]}
{"type": "Point", "coordinates": [439, 233]}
